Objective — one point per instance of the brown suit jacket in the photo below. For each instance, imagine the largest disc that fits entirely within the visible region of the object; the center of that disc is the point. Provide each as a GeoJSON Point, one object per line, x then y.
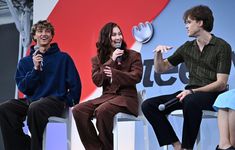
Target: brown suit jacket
{"type": "Point", "coordinates": [122, 90]}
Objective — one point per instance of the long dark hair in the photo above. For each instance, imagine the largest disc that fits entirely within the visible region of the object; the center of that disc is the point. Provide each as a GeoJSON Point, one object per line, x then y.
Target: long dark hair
{"type": "Point", "coordinates": [104, 47]}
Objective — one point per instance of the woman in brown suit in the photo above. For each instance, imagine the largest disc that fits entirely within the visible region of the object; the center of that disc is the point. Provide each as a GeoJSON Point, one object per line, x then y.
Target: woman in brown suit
{"type": "Point", "coordinates": [117, 70]}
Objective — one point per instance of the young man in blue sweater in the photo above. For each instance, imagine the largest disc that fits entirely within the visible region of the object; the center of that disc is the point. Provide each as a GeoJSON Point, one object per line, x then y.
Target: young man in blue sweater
{"type": "Point", "coordinates": [49, 80]}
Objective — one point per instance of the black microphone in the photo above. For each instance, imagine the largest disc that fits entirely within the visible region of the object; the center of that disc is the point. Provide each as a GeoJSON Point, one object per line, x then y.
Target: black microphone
{"type": "Point", "coordinates": [37, 51]}
{"type": "Point", "coordinates": [168, 104]}
{"type": "Point", "coordinates": [119, 58]}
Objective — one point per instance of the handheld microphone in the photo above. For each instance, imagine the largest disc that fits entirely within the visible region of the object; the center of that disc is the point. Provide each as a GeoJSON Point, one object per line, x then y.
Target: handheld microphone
{"type": "Point", "coordinates": [119, 58]}
{"type": "Point", "coordinates": [37, 51]}
{"type": "Point", "coordinates": [169, 103]}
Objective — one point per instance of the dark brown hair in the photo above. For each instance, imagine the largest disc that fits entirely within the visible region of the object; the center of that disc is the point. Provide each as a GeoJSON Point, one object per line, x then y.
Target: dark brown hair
{"type": "Point", "coordinates": [201, 13]}
{"type": "Point", "coordinates": [42, 24]}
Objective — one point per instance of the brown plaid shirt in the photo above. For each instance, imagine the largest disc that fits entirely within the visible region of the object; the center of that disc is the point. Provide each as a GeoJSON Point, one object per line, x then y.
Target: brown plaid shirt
{"type": "Point", "coordinates": [203, 65]}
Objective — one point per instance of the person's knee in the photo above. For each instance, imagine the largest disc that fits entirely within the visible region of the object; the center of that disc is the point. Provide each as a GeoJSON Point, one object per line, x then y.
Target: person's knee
{"type": "Point", "coordinates": [102, 113]}
{"type": "Point", "coordinates": [3, 106]}
{"type": "Point", "coordinates": [148, 106]}
{"type": "Point", "coordinates": [145, 105]}
{"type": "Point", "coordinates": [3, 109]}
{"type": "Point", "coordinates": [77, 111]}
{"type": "Point", "coordinates": [189, 103]}
{"type": "Point", "coordinates": [34, 108]}
{"type": "Point", "coordinates": [80, 112]}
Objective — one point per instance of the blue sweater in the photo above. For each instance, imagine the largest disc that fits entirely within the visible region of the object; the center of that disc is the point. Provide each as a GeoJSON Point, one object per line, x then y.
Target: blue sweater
{"type": "Point", "coordinates": [59, 77]}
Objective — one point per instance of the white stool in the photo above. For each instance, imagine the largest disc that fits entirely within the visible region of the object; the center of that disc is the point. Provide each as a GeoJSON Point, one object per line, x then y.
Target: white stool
{"type": "Point", "coordinates": [127, 117]}
{"type": "Point", "coordinates": [67, 119]}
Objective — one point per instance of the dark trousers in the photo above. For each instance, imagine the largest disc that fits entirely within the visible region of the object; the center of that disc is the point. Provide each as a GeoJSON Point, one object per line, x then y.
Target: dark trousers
{"type": "Point", "coordinates": [192, 106]}
{"type": "Point", "coordinates": [12, 115]}
{"type": "Point", "coordinates": [104, 113]}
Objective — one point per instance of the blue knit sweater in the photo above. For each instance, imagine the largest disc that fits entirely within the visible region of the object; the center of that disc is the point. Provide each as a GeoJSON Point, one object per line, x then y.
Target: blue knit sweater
{"type": "Point", "coordinates": [59, 77]}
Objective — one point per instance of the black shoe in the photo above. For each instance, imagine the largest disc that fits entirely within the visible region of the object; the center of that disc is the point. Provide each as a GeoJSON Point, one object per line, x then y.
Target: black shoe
{"type": "Point", "coordinates": [230, 148]}
{"type": "Point", "coordinates": [217, 148]}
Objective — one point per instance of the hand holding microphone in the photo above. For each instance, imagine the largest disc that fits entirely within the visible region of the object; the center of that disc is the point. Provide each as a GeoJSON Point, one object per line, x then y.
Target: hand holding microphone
{"type": "Point", "coordinates": [168, 104]}
{"type": "Point", "coordinates": [118, 52]}
{"type": "Point", "coordinates": [37, 58]}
